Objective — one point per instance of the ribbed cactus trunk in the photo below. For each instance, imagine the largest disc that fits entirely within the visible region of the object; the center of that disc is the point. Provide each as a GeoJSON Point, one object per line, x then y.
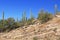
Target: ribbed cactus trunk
{"type": "Point", "coordinates": [56, 9]}
{"type": "Point", "coordinates": [17, 19]}
{"type": "Point", "coordinates": [31, 15]}
{"type": "Point", "coordinates": [24, 16]}
{"type": "Point", "coordinates": [3, 19]}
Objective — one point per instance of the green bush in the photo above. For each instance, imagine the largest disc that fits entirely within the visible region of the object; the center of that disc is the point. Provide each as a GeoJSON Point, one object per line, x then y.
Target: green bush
{"type": "Point", "coordinates": [45, 17]}
{"type": "Point", "coordinates": [30, 21]}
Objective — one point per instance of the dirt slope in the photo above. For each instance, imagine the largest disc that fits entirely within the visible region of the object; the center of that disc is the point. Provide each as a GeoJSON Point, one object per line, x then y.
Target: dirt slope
{"type": "Point", "coordinates": [47, 31]}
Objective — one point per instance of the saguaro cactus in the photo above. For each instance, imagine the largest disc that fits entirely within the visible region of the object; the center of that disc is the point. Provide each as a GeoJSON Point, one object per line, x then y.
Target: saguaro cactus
{"type": "Point", "coordinates": [17, 19]}
{"type": "Point", "coordinates": [3, 19]}
{"type": "Point", "coordinates": [55, 9]}
{"type": "Point", "coordinates": [24, 17]}
{"type": "Point", "coordinates": [31, 14]}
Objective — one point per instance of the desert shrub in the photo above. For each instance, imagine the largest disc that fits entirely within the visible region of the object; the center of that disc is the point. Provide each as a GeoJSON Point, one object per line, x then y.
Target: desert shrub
{"type": "Point", "coordinates": [3, 27]}
{"type": "Point", "coordinates": [35, 38]}
{"type": "Point", "coordinates": [30, 21]}
{"type": "Point", "coordinates": [44, 17]}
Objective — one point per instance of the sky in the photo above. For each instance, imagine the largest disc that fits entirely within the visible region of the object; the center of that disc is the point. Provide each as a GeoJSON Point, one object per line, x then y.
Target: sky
{"type": "Point", "coordinates": [15, 8]}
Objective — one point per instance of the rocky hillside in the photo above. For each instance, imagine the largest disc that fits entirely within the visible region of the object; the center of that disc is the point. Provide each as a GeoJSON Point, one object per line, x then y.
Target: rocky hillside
{"type": "Point", "coordinates": [46, 31]}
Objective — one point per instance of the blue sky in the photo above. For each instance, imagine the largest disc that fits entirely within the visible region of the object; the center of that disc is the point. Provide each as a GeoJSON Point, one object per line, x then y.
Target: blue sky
{"type": "Point", "coordinates": [15, 8]}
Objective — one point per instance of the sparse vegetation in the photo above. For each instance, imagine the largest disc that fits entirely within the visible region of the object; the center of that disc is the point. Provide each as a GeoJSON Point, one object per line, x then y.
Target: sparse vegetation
{"type": "Point", "coordinates": [10, 23]}
{"type": "Point", "coordinates": [30, 20]}
{"type": "Point", "coordinates": [44, 16]}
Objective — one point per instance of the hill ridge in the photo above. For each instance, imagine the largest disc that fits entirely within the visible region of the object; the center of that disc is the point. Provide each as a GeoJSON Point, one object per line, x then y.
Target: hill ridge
{"type": "Point", "coordinates": [49, 30]}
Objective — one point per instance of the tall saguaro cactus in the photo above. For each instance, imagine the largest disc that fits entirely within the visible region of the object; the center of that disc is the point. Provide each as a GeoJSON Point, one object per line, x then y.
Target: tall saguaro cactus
{"type": "Point", "coordinates": [3, 18]}
{"type": "Point", "coordinates": [31, 17]}
{"type": "Point", "coordinates": [56, 9]}
{"type": "Point", "coordinates": [17, 19]}
{"type": "Point", "coordinates": [24, 16]}
{"type": "Point", "coordinates": [31, 14]}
